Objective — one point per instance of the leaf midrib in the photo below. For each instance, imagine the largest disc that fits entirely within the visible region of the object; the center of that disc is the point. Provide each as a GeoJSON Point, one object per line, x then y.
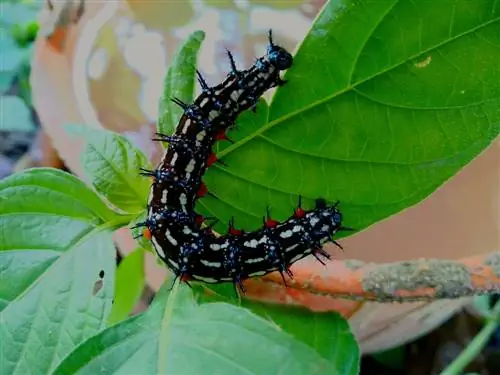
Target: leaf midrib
{"type": "Point", "coordinates": [349, 87]}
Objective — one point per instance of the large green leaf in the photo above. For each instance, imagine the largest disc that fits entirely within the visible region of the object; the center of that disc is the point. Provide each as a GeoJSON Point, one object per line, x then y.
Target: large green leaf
{"type": "Point", "coordinates": [57, 263]}
{"type": "Point", "coordinates": [386, 100]}
{"type": "Point", "coordinates": [200, 339]}
{"type": "Point", "coordinates": [328, 333]}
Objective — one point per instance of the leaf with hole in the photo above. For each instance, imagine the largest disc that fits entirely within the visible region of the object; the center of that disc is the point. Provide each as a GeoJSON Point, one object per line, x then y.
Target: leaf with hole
{"type": "Point", "coordinates": [57, 264]}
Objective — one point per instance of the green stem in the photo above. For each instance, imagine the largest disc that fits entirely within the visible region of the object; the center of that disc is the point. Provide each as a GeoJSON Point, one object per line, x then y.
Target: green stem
{"type": "Point", "coordinates": [161, 368]}
{"type": "Point", "coordinates": [476, 345]}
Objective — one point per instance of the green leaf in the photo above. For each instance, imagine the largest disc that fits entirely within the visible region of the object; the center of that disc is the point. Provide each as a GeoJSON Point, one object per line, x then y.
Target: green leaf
{"type": "Point", "coordinates": [328, 333]}
{"type": "Point", "coordinates": [179, 82]}
{"type": "Point", "coordinates": [386, 100]}
{"type": "Point", "coordinates": [128, 286]}
{"type": "Point", "coordinates": [207, 339]}
{"type": "Point", "coordinates": [57, 263]}
{"type": "Point", "coordinates": [16, 116]}
{"type": "Point", "coordinates": [111, 164]}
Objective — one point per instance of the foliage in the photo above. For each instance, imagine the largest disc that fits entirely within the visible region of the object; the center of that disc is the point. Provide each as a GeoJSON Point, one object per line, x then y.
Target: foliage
{"type": "Point", "coordinates": [375, 114]}
{"type": "Point", "coordinates": [18, 30]}
{"type": "Point", "coordinates": [378, 125]}
{"type": "Point", "coordinates": [15, 114]}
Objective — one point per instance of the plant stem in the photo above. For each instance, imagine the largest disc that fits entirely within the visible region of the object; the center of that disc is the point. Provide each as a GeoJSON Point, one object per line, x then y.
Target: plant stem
{"type": "Point", "coordinates": [161, 368]}
{"type": "Point", "coordinates": [476, 345]}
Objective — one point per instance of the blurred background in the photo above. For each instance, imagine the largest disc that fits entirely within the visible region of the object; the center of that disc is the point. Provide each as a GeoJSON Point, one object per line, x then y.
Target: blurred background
{"type": "Point", "coordinates": [102, 63]}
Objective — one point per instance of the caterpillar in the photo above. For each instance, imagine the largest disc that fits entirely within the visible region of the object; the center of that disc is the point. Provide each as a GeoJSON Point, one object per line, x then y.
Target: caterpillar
{"type": "Point", "coordinates": [181, 237]}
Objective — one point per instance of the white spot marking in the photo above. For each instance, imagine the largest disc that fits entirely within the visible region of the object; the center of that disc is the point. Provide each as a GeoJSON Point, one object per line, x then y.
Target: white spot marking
{"type": "Point", "coordinates": [211, 264]}
{"type": "Point", "coordinates": [174, 158]}
{"type": "Point", "coordinates": [205, 279]}
{"type": "Point", "coordinates": [313, 221]}
{"type": "Point", "coordinates": [236, 94]}
{"type": "Point", "coordinates": [201, 135]}
{"type": "Point", "coordinates": [183, 199]}
{"type": "Point", "coordinates": [253, 243]}
{"type": "Point", "coordinates": [190, 166]}
{"type": "Point", "coordinates": [291, 247]}
{"type": "Point", "coordinates": [173, 263]}
{"type": "Point", "coordinates": [258, 273]}
{"type": "Point", "coordinates": [164, 196]}
{"type": "Point", "coordinates": [170, 239]}
{"type": "Point", "coordinates": [254, 260]}
{"type": "Point", "coordinates": [187, 123]}
{"type": "Point", "coordinates": [286, 234]}
{"type": "Point", "coordinates": [213, 114]}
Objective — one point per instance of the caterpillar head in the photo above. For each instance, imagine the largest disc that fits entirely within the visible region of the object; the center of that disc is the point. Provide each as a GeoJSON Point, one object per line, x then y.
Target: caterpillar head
{"type": "Point", "coordinates": [278, 56]}
{"type": "Point", "coordinates": [332, 213]}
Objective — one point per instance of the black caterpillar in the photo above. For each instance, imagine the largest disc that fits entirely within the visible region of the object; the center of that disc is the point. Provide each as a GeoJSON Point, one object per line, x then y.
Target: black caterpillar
{"type": "Point", "coordinates": [191, 250]}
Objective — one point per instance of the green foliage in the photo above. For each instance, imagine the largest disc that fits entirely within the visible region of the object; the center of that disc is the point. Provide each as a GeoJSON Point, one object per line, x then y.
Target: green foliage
{"type": "Point", "coordinates": [111, 164]}
{"type": "Point", "coordinates": [376, 114]}
{"type": "Point", "coordinates": [129, 285]}
{"type": "Point", "coordinates": [386, 100]}
{"type": "Point", "coordinates": [327, 333]}
{"type": "Point", "coordinates": [18, 30]}
{"type": "Point", "coordinates": [199, 339]}
{"type": "Point", "coordinates": [15, 114]}
{"type": "Point", "coordinates": [55, 240]}
{"type": "Point", "coordinates": [179, 82]}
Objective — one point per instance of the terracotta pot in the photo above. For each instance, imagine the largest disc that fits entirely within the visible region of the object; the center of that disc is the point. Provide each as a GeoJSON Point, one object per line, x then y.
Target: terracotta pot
{"type": "Point", "coordinates": [447, 246]}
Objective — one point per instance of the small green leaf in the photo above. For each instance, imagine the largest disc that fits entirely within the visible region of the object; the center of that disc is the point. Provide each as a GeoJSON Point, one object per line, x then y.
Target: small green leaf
{"type": "Point", "coordinates": [57, 263]}
{"type": "Point", "coordinates": [16, 116]}
{"type": "Point", "coordinates": [112, 165]}
{"type": "Point", "coordinates": [179, 82]}
{"type": "Point", "coordinates": [214, 338]}
{"type": "Point", "coordinates": [128, 286]}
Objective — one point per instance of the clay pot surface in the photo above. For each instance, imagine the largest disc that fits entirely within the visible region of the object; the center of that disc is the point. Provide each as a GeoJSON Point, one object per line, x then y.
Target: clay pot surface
{"type": "Point", "coordinates": [109, 72]}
